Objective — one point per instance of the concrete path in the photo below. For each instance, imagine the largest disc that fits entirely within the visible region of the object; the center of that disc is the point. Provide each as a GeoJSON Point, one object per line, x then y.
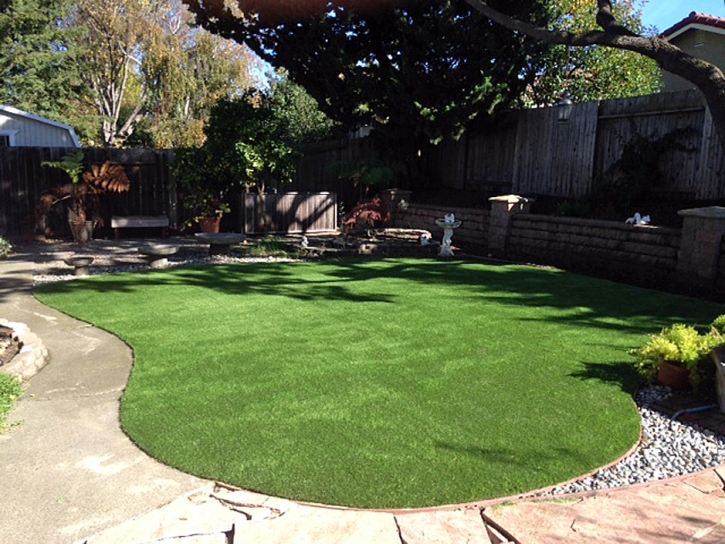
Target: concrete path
{"type": "Point", "coordinates": [68, 474]}
{"type": "Point", "coordinates": [68, 471]}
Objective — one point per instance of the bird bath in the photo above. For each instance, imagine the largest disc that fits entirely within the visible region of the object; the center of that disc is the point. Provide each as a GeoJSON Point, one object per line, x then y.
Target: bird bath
{"type": "Point", "coordinates": [81, 263]}
{"type": "Point", "coordinates": [448, 223]}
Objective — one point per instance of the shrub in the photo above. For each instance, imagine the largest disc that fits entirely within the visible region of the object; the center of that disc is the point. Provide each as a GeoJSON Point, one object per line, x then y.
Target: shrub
{"type": "Point", "coordinates": [679, 344]}
{"type": "Point", "coordinates": [5, 248]}
{"type": "Point", "coordinates": [10, 391]}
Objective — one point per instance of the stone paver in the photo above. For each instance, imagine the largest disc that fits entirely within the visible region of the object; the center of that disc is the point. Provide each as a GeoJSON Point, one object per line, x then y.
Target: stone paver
{"type": "Point", "coordinates": [453, 526]}
{"type": "Point", "coordinates": [666, 513]}
{"type": "Point", "coordinates": [311, 525]}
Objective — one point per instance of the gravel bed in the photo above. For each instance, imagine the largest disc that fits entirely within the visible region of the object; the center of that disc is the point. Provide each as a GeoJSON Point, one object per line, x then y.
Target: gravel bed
{"type": "Point", "coordinates": [667, 449]}
{"type": "Point", "coordinates": [40, 278]}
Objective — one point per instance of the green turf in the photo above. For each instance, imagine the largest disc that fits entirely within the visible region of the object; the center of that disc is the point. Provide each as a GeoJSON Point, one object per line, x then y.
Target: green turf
{"type": "Point", "coordinates": [396, 383]}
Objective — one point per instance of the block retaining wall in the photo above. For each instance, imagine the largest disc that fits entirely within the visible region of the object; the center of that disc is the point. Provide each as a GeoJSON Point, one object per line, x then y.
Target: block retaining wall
{"type": "Point", "coordinates": [644, 255]}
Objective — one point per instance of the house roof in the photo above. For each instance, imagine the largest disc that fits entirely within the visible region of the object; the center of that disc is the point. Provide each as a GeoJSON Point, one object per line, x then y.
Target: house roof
{"type": "Point", "coordinates": [20, 113]}
{"type": "Point", "coordinates": [696, 21]}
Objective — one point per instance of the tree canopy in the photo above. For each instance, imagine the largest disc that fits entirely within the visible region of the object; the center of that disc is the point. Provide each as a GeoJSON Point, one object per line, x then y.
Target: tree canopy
{"type": "Point", "coordinates": [39, 73]}
{"type": "Point", "coordinates": [416, 71]}
{"type": "Point", "coordinates": [109, 68]}
{"type": "Point", "coordinates": [592, 73]}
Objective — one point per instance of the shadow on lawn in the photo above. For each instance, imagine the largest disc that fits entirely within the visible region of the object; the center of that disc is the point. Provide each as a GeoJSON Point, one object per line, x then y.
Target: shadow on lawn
{"type": "Point", "coordinates": [534, 461]}
{"type": "Point", "coordinates": [621, 374]}
{"type": "Point", "coordinates": [580, 300]}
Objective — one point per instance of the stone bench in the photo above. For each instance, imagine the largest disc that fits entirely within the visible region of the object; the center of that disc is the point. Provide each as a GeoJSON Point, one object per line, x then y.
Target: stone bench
{"type": "Point", "coordinates": [139, 222]}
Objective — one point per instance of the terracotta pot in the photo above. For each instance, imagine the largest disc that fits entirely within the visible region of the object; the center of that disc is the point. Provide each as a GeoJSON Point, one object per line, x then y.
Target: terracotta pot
{"type": "Point", "coordinates": [718, 356]}
{"type": "Point", "coordinates": [674, 376]}
{"type": "Point", "coordinates": [210, 224]}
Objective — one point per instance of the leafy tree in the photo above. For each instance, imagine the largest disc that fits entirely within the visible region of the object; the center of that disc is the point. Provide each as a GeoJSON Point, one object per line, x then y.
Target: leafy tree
{"type": "Point", "coordinates": [145, 66]}
{"type": "Point", "coordinates": [612, 33]}
{"type": "Point", "coordinates": [298, 111]}
{"type": "Point", "coordinates": [250, 143]}
{"type": "Point", "coordinates": [187, 71]}
{"type": "Point", "coordinates": [417, 71]}
{"type": "Point", "coordinates": [592, 73]}
{"type": "Point", "coordinates": [38, 69]}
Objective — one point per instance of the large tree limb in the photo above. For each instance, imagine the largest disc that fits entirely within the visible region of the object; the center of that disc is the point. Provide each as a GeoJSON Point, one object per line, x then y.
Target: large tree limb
{"type": "Point", "coordinates": [705, 76]}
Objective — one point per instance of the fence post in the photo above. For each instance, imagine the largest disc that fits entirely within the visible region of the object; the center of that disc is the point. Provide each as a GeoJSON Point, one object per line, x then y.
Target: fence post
{"type": "Point", "coordinates": [700, 246]}
{"type": "Point", "coordinates": [503, 208]}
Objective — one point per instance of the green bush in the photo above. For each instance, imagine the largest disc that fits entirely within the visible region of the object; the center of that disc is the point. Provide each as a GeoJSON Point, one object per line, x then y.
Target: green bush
{"type": "Point", "coordinates": [680, 344]}
{"type": "Point", "coordinates": [5, 248]}
{"type": "Point", "coordinates": [10, 391]}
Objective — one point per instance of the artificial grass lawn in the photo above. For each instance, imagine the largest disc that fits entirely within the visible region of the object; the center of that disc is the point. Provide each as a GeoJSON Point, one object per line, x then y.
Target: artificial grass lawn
{"type": "Point", "coordinates": [395, 383]}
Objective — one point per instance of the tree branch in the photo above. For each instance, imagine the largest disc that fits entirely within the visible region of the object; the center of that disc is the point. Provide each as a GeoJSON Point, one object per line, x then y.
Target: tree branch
{"type": "Point", "coordinates": [705, 76]}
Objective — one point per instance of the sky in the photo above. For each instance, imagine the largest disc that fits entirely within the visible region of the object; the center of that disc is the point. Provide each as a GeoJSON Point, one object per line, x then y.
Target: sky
{"type": "Point", "coordinates": [665, 13]}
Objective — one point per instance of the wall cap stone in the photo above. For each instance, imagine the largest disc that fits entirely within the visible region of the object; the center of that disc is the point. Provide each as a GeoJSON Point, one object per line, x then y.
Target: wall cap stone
{"type": "Point", "coordinates": [510, 199]}
{"type": "Point", "coordinates": [711, 212]}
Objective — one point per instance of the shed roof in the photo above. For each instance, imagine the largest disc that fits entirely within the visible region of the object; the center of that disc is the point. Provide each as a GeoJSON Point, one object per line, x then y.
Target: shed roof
{"type": "Point", "coordinates": [696, 20]}
{"type": "Point", "coordinates": [20, 113]}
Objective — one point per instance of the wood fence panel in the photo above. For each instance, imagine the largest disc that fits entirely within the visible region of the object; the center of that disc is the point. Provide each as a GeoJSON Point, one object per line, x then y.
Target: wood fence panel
{"type": "Point", "coordinates": [23, 180]}
{"type": "Point", "coordinates": [554, 158]}
{"type": "Point", "coordinates": [316, 170]}
{"type": "Point", "coordinates": [290, 213]}
{"type": "Point", "coordinates": [490, 158]}
{"type": "Point", "coordinates": [653, 117]}
{"type": "Point", "coordinates": [710, 177]}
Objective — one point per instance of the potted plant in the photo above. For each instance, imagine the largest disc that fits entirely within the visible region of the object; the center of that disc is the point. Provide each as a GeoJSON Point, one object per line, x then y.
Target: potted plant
{"type": "Point", "coordinates": [83, 192]}
{"type": "Point", "coordinates": [206, 207]}
{"type": "Point", "coordinates": [718, 357]}
{"type": "Point", "coordinates": [674, 356]}
{"type": "Point", "coordinates": [203, 188]}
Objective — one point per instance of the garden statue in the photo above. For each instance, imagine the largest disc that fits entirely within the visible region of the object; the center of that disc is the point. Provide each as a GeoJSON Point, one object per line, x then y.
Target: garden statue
{"type": "Point", "coordinates": [448, 223]}
{"type": "Point", "coordinates": [637, 219]}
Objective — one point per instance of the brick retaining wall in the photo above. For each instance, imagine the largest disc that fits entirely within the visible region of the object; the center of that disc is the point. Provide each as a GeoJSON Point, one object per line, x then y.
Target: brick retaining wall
{"type": "Point", "coordinates": [471, 235]}
{"type": "Point", "coordinates": [645, 255]}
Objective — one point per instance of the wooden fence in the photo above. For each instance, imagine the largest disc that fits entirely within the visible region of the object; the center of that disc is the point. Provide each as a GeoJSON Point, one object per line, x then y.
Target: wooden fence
{"type": "Point", "coordinates": [23, 180]}
{"type": "Point", "coordinates": [528, 152]}
{"type": "Point", "coordinates": [290, 213]}
{"type": "Point", "coordinates": [531, 153]}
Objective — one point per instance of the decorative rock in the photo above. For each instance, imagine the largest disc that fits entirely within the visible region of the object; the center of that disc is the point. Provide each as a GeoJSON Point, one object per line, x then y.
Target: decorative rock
{"type": "Point", "coordinates": [32, 357]}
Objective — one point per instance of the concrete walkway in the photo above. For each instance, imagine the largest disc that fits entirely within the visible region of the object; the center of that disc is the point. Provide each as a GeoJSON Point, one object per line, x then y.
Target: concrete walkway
{"type": "Point", "coordinates": [68, 474]}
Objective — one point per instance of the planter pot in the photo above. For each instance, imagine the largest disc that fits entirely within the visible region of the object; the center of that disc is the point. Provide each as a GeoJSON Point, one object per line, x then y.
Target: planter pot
{"type": "Point", "coordinates": [718, 355]}
{"type": "Point", "coordinates": [82, 232]}
{"type": "Point", "coordinates": [674, 376]}
{"type": "Point", "coordinates": [209, 224]}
